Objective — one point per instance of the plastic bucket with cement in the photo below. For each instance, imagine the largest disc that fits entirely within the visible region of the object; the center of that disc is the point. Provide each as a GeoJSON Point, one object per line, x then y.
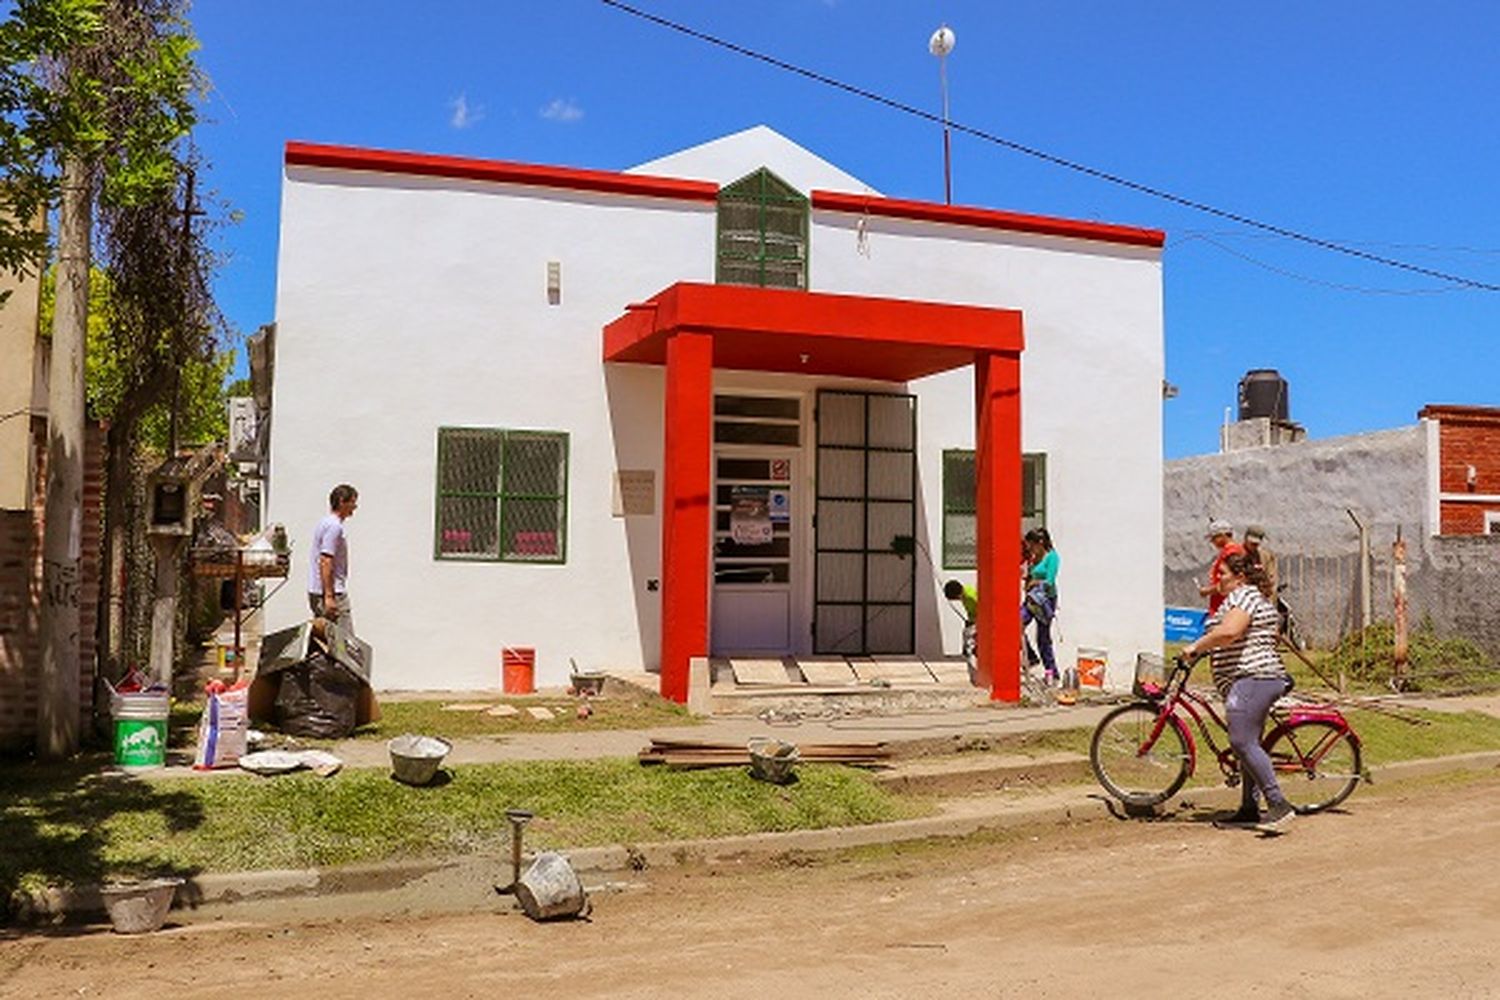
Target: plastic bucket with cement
{"type": "Point", "coordinates": [518, 670]}
{"type": "Point", "coordinates": [1091, 663]}
{"type": "Point", "coordinates": [140, 729]}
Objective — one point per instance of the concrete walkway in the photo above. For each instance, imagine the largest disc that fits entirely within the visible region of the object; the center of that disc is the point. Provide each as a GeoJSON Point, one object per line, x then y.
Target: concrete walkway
{"type": "Point", "coordinates": [922, 733]}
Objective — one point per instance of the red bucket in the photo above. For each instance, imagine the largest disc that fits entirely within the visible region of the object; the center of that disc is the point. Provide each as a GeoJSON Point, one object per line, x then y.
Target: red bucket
{"type": "Point", "coordinates": [518, 670]}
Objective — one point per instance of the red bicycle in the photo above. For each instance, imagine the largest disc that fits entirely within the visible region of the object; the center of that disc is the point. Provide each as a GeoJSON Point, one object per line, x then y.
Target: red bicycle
{"type": "Point", "coordinates": [1143, 752]}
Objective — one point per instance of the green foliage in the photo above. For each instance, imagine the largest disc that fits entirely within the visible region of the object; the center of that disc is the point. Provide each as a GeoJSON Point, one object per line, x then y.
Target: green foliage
{"type": "Point", "coordinates": [35, 122]}
{"type": "Point", "coordinates": [1433, 662]}
{"type": "Point", "coordinates": [108, 378]}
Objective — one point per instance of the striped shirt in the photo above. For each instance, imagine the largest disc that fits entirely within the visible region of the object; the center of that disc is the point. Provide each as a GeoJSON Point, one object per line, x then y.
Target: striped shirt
{"type": "Point", "coordinates": [1253, 654]}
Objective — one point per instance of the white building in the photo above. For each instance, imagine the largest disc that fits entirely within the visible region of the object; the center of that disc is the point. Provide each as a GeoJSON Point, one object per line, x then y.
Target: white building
{"type": "Point", "coordinates": [521, 368]}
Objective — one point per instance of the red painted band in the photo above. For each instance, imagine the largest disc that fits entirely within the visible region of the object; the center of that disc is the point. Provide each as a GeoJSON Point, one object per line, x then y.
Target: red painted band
{"type": "Point", "coordinates": [986, 218]}
{"type": "Point", "coordinates": [307, 154]}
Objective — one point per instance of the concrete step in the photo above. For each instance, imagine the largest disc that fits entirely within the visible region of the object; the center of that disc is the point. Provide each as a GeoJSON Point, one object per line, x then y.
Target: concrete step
{"type": "Point", "coordinates": [806, 701]}
{"type": "Point", "coordinates": [969, 775]}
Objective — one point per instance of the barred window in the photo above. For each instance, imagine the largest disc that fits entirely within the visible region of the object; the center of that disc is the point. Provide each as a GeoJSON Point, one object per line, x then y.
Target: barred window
{"type": "Point", "coordinates": [762, 233]}
{"type": "Point", "coordinates": [502, 495]}
{"type": "Point", "coordinates": [961, 508]}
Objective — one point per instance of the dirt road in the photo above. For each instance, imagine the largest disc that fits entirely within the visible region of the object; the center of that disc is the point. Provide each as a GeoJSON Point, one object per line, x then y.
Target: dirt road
{"type": "Point", "coordinates": [1398, 897]}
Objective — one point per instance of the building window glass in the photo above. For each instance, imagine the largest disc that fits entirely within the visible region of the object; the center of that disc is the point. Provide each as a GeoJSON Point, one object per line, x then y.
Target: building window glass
{"type": "Point", "coordinates": [501, 495]}
{"type": "Point", "coordinates": [762, 233]}
{"type": "Point", "coordinates": [961, 507]}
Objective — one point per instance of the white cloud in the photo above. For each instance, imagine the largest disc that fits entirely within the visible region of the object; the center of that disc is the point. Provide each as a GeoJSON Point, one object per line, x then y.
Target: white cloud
{"type": "Point", "coordinates": [464, 113]}
{"type": "Point", "coordinates": [562, 109]}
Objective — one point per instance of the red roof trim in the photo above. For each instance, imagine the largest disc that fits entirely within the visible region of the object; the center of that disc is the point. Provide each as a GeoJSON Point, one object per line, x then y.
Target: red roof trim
{"type": "Point", "coordinates": [1454, 411]}
{"type": "Point", "coordinates": [307, 154]}
{"type": "Point", "coordinates": [986, 218]}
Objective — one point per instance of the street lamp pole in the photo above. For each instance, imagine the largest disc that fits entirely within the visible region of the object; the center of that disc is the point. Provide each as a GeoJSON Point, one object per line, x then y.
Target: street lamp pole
{"type": "Point", "coordinates": [940, 44]}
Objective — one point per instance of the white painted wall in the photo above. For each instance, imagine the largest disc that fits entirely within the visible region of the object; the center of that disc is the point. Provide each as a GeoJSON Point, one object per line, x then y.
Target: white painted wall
{"type": "Point", "coordinates": [1090, 399]}
{"type": "Point", "coordinates": [408, 303]}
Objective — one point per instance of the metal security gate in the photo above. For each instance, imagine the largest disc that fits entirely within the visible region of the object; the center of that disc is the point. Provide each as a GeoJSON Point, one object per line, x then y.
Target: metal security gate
{"type": "Point", "coordinates": [865, 528]}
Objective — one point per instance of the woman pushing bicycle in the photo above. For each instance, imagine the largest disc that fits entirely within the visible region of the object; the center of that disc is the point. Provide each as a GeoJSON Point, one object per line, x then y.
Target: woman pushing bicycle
{"type": "Point", "coordinates": [1241, 642]}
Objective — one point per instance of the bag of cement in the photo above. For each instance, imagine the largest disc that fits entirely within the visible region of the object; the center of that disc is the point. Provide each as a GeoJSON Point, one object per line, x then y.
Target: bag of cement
{"type": "Point", "coordinates": [222, 727]}
{"type": "Point", "coordinates": [550, 889]}
{"type": "Point", "coordinates": [317, 698]}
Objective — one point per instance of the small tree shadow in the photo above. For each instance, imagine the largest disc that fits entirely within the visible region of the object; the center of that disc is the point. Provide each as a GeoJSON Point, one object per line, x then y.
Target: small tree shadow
{"type": "Point", "coordinates": [54, 825]}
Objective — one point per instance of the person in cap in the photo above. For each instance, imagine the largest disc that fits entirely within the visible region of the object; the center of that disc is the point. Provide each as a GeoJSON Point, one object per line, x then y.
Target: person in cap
{"type": "Point", "coordinates": [1260, 555]}
{"type": "Point", "coordinates": [1221, 535]}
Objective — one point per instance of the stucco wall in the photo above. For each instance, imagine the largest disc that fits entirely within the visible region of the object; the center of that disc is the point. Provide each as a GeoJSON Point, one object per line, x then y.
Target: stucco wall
{"type": "Point", "coordinates": [1300, 493]}
{"type": "Point", "coordinates": [406, 304]}
{"type": "Point", "coordinates": [1090, 399]}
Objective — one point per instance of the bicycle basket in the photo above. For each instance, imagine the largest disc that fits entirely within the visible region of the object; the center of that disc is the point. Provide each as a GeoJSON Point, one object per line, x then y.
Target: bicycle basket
{"type": "Point", "coordinates": [1150, 675]}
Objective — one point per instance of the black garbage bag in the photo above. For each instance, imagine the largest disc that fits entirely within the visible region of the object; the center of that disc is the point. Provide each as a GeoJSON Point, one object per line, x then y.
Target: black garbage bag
{"type": "Point", "coordinates": [318, 697]}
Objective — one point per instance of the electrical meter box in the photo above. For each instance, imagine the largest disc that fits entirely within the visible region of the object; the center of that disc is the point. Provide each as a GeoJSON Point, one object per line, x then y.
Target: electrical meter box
{"type": "Point", "coordinates": [174, 490]}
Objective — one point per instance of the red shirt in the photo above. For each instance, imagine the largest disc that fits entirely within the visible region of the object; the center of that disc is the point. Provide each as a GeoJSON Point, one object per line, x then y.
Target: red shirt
{"type": "Point", "coordinates": [1216, 573]}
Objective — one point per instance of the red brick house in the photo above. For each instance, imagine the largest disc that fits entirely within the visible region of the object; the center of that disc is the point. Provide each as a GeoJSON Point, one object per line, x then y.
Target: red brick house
{"type": "Point", "coordinates": [1468, 468]}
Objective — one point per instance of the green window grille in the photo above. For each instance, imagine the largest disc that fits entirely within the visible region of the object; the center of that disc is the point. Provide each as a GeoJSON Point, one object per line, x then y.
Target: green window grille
{"type": "Point", "coordinates": [502, 495]}
{"type": "Point", "coordinates": [961, 509]}
{"type": "Point", "coordinates": [762, 233]}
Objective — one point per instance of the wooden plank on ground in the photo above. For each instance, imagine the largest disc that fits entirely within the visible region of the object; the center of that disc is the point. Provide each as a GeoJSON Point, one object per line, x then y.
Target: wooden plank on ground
{"type": "Point", "coordinates": [949, 671]}
{"type": "Point", "coordinates": [893, 671]}
{"type": "Point", "coordinates": [750, 671]}
{"type": "Point", "coordinates": [827, 672]}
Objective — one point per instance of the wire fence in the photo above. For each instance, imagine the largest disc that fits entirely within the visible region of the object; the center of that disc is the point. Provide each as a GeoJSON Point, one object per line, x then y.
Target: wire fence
{"type": "Point", "coordinates": [1347, 605]}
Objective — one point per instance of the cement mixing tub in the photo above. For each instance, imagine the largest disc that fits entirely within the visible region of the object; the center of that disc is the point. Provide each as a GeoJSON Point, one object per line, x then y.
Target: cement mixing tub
{"type": "Point", "coordinates": [415, 759]}
{"type": "Point", "coordinates": [139, 907]}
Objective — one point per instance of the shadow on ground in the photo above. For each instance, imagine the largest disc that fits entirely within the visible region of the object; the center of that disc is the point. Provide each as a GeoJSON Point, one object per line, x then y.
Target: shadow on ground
{"type": "Point", "coordinates": [55, 822]}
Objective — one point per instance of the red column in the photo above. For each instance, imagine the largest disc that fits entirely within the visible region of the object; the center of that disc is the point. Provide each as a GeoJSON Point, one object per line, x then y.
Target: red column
{"type": "Point", "coordinates": [997, 461]}
{"type": "Point", "coordinates": [686, 508]}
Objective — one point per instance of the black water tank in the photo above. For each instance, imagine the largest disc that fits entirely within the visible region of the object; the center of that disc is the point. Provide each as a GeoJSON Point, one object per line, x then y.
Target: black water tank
{"type": "Point", "coordinates": [1263, 393]}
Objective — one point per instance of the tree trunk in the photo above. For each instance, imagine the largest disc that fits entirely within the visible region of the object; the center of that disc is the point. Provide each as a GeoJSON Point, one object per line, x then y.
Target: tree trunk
{"type": "Point", "coordinates": [118, 476]}
{"type": "Point", "coordinates": [62, 538]}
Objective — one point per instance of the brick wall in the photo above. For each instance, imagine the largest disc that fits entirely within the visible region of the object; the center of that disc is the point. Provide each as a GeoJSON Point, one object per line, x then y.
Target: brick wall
{"type": "Point", "coordinates": [20, 596]}
{"type": "Point", "coordinates": [1468, 436]}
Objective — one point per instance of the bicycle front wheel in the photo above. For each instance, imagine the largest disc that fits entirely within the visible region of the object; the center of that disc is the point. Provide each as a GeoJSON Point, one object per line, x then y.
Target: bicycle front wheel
{"type": "Point", "coordinates": [1133, 767]}
{"type": "Point", "coordinates": [1317, 764]}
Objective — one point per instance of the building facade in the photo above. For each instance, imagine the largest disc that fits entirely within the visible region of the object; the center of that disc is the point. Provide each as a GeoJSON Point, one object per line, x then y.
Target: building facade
{"type": "Point", "coordinates": [731, 401]}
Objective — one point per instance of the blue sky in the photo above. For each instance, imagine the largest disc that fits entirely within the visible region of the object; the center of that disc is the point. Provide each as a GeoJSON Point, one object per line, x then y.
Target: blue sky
{"type": "Point", "coordinates": [1370, 124]}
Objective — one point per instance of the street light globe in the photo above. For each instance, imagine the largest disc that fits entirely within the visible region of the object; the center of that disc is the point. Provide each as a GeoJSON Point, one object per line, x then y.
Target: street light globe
{"type": "Point", "coordinates": [941, 42]}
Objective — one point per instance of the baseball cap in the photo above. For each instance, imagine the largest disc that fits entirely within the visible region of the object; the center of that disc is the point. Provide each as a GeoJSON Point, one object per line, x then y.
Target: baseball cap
{"type": "Point", "coordinates": [1219, 526]}
{"type": "Point", "coordinates": [1256, 532]}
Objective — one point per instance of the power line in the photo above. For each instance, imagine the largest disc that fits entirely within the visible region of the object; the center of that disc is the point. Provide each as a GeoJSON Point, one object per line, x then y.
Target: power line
{"type": "Point", "coordinates": [1059, 161]}
{"type": "Point", "coordinates": [1191, 236]}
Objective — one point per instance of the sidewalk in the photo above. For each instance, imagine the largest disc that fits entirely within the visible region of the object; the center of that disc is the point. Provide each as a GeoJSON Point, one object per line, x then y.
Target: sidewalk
{"type": "Point", "coordinates": [908, 734]}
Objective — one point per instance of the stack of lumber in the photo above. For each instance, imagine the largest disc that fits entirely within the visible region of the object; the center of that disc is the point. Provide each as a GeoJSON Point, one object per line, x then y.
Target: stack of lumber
{"type": "Point", "coordinates": [688, 754]}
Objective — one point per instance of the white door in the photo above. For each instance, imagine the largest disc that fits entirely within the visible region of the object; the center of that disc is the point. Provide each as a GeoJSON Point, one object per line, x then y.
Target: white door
{"type": "Point", "coordinates": [753, 550]}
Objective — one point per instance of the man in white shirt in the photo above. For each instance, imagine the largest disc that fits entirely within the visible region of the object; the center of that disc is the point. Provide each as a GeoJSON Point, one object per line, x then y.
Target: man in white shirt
{"type": "Point", "coordinates": [328, 566]}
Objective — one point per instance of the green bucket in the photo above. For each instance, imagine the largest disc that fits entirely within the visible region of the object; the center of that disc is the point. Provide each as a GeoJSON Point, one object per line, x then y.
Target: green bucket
{"type": "Point", "coordinates": [140, 730]}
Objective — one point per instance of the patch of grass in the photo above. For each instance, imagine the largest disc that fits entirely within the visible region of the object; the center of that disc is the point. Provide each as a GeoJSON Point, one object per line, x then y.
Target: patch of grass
{"type": "Point", "coordinates": [65, 825]}
{"type": "Point", "coordinates": [1386, 740]}
{"type": "Point", "coordinates": [426, 716]}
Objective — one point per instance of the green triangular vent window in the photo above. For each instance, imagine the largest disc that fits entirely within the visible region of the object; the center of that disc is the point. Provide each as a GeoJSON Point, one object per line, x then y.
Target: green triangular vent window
{"type": "Point", "coordinates": [762, 233]}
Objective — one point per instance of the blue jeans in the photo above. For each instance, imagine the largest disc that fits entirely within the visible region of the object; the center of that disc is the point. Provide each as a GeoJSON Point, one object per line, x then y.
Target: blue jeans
{"type": "Point", "coordinates": [1040, 606]}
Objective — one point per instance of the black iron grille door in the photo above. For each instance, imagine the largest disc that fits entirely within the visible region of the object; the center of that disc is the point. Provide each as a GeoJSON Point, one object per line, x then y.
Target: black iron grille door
{"type": "Point", "coordinates": [865, 579]}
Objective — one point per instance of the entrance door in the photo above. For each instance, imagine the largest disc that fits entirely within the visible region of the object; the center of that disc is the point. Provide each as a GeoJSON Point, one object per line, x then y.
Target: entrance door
{"type": "Point", "coordinates": [753, 539]}
{"type": "Point", "coordinates": [865, 579]}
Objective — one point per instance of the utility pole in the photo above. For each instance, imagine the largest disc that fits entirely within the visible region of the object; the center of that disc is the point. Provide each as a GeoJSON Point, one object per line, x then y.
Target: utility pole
{"type": "Point", "coordinates": [62, 536]}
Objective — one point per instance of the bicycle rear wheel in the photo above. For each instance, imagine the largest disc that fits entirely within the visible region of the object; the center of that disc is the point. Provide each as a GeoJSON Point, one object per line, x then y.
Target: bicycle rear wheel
{"type": "Point", "coordinates": [1130, 769]}
{"type": "Point", "coordinates": [1317, 764]}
